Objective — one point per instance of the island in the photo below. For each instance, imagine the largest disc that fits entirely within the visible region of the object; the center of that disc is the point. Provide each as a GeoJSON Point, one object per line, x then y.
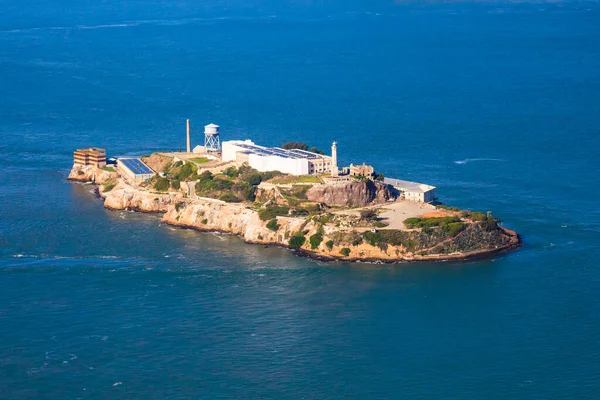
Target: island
{"type": "Point", "coordinates": [311, 207]}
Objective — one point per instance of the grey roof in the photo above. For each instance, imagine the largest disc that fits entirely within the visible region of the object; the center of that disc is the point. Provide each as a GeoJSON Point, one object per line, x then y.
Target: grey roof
{"type": "Point", "coordinates": [408, 186]}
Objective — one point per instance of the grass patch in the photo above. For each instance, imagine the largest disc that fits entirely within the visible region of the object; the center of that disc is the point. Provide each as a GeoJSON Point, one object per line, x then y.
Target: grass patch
{"type": "Point", "coordinates": [199, 160]}
{"type": "Point", "coordinates": [271, 212]}
{"type": "Point", "coordinates": [429, 222]}
{"type": "Point", "coordinates": [109, 169]}
{"type": "Point", "coordinates": [290, 179]}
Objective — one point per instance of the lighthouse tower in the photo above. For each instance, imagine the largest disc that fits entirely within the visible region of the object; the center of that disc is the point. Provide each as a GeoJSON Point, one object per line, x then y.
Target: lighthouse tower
{"type": "Point", "coordinates": [334, 167]}
{"type": "Point", "coordinates": [187, 135]}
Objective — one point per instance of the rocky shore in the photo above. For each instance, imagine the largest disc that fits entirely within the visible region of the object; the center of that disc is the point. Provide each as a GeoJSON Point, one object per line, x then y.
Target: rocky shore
{"type": "Point", "coordinates": [317, 236]}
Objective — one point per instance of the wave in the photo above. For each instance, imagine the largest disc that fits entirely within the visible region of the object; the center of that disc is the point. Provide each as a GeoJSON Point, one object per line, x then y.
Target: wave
{"type": "Point", "coordinates": [468, 160]}
{"type": "Point", "coordinates": [130, 24]}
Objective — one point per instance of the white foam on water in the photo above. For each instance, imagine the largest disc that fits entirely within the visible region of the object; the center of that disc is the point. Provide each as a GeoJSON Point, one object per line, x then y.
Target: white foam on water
{"type": "Point", "coordinates": [468, 160]}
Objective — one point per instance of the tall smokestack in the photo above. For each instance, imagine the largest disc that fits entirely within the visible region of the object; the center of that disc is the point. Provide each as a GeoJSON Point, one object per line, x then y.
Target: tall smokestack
{"type": "Point", "coordinates": [189, 141]}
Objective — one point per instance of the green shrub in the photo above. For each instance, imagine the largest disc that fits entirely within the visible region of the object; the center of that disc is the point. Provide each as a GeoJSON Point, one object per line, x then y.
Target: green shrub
{"type": "Point", "coordinates": [175, 184]}
{"type": "Point", "coordinates": [273, 225]}
{"type": "Point", "coordinates": [244, 191]}
{"type": "Point", "coordinates": [186, 171]}
{"type": "Point", "coordinates": [204, 221]}
{"type": "Point", "coordinates": [294, 145]}
{"type": "Point", "coordinates": [271, 212]}
{"type": "Point", "coordinates": [297, 240]}
{"type": "Point", "coordinates": [253, 179]}
{"type": "Point", "coordinates": [345, 251]}
{"type": "Point", "coordinates": [179, 205]}
{"type": "Point", "coordinates": [453, 228]}
{"type": "Point", "coordinates": [178, 164]}
{"type": "Point", "coordinates": [80, 172]}
{"type": "Point", "coordinates": [108, 187]}
{"type": "Point", "coordinates": [329, 244]}
{"type": "Point", "coordinates": [231, 172]}
{"type": "Point", "coordinates": [229, 197]}
{"type": "Point", "coordinates": [315, 240]}
{"type": "Point", "coordinates": [368, 214]}
{"type": "Point", "coordinates": [429, 222]}
{"type": "Point", "coordinates": [161, 184]}
{"type": "Point", "coordinates": [449, 208]}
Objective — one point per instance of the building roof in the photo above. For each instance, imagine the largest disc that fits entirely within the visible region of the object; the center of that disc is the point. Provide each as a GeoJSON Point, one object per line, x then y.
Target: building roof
{"type": "Point", "coordinates": [136, 166]}
{"type": "Point", "coordinates": [252, 148]}
{"type": "Point", "coordinates": [211, 125]}
{"type": "Point", "coordinates": [408, 186]}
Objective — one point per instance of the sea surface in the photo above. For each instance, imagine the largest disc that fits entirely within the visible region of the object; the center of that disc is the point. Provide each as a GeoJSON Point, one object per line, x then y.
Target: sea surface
{"type": "Point", "coordinates": [497, 104]}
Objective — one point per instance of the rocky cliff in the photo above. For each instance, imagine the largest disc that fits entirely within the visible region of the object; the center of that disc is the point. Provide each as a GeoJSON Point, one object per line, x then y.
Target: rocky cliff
{"type": "Point", "coordinates": [89, 173]}
{"type": "Point", "coordinates": [124, 197]}
{"type": "Point", "coordinates": [352, 194]}
{"type": "Point", "coordinates": [312, 235]}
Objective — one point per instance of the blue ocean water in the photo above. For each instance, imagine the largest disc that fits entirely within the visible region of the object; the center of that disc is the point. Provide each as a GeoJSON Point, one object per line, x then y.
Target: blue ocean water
{"type": "Point", "coordinates": [495, 103]}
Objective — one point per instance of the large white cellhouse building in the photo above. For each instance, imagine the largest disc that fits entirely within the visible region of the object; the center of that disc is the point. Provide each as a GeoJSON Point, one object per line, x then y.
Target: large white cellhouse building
{"type": "Point", "coordinates": [294, 161]}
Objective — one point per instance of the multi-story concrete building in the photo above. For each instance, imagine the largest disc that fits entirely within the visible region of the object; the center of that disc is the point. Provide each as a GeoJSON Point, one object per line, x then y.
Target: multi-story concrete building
{"type": "Point", "coordinates": [90, 156]}
{"type": "Point", "coordinates": [292, 161]}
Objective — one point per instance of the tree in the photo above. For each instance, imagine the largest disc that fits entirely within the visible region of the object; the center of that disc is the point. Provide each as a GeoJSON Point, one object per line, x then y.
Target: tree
{"type": "Point", "coordinates": [295, 145]}
{"type": "Point", "coordinates": [368, 214]}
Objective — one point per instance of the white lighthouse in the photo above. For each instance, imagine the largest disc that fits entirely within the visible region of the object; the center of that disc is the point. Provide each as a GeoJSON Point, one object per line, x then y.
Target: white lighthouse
{"type": "Point", "coordinates": [334, 167]}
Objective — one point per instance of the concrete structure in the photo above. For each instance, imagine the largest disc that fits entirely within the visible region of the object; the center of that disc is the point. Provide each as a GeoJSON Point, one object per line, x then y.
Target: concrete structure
{"type": "Point", "coordinates": [334, 167]}
{"type": "Point", "coordinates": [292, 161]}
{"type": "Point", "coordinates": [134, 169]}
{"type": "Point", "coordinates": [413, 191]}
{"type": "Point", "coordinates": [361, 170]}
{"type": "Point", "coordinates": [212, 141]}
{"type": "Point", "coordinates": [188, 136]}
{"type": "Point", "coordinates": [90, 156]}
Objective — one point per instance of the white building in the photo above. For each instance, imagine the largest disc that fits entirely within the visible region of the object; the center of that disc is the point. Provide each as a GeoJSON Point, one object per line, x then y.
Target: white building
{"type": "Point", "coordinates": [413, 191]}
{"type": "Point", "coordinates": [294, 161]}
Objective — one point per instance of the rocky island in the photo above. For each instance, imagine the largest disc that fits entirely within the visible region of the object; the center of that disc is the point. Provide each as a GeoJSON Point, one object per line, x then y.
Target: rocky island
{"type": "Point", "coordinates": [353, 218]}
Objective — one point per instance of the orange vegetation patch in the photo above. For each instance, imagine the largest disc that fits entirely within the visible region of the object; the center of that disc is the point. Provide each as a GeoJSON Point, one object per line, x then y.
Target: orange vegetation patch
{"type": "Point", "coordinates": [157, 161]}
{"type": "Point", "coordinates": [435, 214]}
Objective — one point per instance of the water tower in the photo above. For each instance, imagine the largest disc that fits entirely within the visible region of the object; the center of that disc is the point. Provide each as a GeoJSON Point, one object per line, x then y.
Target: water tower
{"type": "Point", "coordinates": [212, 142]}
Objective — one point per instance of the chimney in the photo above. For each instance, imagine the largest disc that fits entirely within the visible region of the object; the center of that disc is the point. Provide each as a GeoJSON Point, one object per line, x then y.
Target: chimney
{"type": "Point", "coordinates": [189, 142]}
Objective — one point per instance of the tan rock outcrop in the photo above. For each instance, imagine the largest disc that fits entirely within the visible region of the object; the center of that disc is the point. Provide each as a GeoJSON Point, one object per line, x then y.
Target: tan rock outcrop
{"type": "Point", "coordinates": [124, 197]}
{"type": "Point", "coordinates": [352, 194]}
{"type": "Point", "coordinates": [90, 173]}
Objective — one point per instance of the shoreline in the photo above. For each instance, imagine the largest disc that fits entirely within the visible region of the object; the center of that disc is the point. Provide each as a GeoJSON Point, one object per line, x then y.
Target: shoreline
{"type": "Point", "coordinates": [239, 219]}
{"type": "Point", "coordinates": [471, 256]}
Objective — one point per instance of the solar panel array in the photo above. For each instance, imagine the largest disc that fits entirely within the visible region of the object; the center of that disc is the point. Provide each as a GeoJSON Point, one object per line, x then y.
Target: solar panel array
{"type": "Point", "coordinates": [276, 151]}
{"type": "Point", "coordinates": [136, 166]}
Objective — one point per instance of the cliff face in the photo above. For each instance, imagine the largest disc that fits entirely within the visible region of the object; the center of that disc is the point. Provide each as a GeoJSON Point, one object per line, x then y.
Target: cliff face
{"type": "Point", "coordinates": [89, 173]}
{"type": "Point", "coordinates": [124, 197]}
{"type": "Point", "coordinates": [308, 234]}
{"type": "Point", "coordinates": [352, 194]}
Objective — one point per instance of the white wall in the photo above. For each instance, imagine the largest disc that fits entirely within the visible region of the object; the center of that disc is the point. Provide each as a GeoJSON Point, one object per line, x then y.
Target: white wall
{"type": "Point", "coordinates": [293, 166]}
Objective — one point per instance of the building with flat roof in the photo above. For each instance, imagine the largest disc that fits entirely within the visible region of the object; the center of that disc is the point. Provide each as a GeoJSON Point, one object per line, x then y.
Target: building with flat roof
{"type": "Point", "coordinates": [412, 191]}
{"type": "Point", "coordinates": [289, 161]}
{"type": "Point", "coordinates": [134, 169]}
{"type": "Point", "coordinates": [90, 156]}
